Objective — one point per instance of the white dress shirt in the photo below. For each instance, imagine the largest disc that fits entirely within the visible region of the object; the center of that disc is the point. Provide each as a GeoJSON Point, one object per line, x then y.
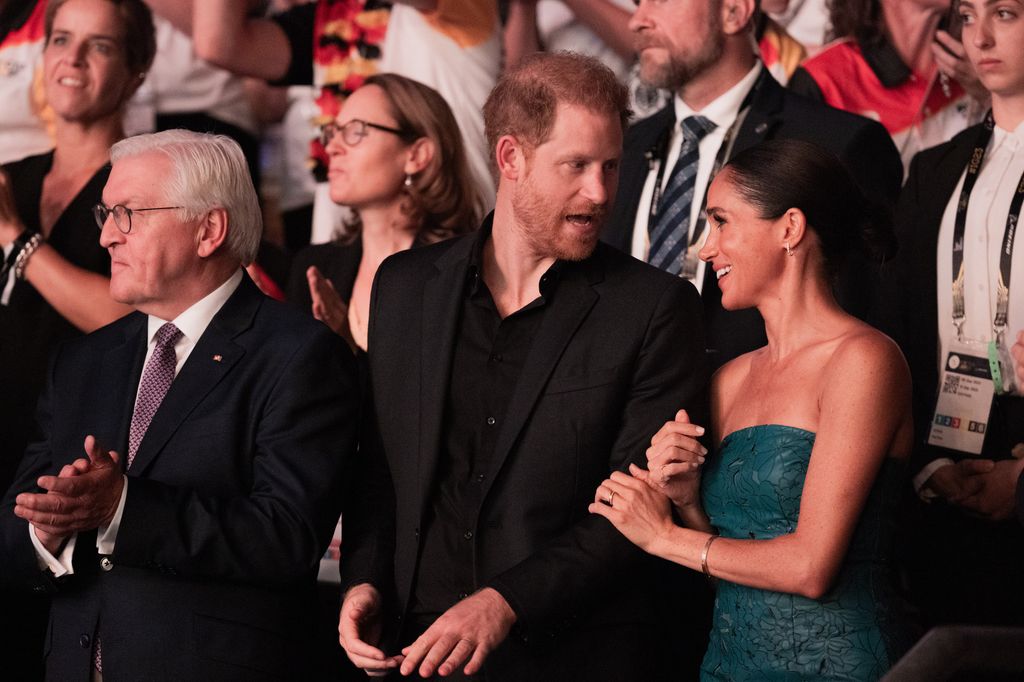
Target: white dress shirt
{"type": "Point", "coordinates": [723, 112]}
{"type": "Point", "coordinates": [989, 206]}
{"type": "Point", "coordinates": [192, 323]}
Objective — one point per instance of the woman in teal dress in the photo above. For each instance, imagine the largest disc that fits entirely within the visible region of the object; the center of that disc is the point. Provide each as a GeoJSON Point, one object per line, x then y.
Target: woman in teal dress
{"type": "Point", "coordinates": [793, 515]}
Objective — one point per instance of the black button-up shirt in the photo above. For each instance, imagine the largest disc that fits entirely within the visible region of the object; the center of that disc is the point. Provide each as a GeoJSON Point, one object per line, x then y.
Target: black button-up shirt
{"type": "Point", "coordinates": [489, 355]}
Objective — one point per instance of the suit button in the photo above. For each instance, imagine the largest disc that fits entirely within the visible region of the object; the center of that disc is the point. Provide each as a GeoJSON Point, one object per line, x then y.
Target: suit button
{"type": "Point", "coordinates": [490, 421]}
{"type": "Point", "coordinates": [106, 564]}
{"type": "Point", "coordinates": [468, 535]}
{"type": "Point", "coordinates": [85, 641]}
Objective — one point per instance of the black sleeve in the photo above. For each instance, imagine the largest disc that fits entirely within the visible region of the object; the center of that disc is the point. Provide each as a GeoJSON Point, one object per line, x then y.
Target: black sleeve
{"type": "Point", "coordinates": [297, 24]}
{"type": "Point", "coordinates": [802, 83]}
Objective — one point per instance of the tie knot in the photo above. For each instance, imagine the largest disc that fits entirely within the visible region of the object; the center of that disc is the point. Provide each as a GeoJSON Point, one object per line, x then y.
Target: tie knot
{"type": "Point", "coordinates": [167, 335]}
{"type": "Point", "coordinates": [696, 127]}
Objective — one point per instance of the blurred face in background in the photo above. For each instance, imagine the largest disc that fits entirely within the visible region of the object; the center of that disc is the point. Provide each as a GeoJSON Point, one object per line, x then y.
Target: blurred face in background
{"type": "Point", "coordinates": [368, 164]}
{"type": "Point", "coordinates": [85, 71]}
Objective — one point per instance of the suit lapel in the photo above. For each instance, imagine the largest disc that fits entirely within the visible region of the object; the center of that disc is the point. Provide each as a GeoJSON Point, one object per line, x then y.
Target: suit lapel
{"type": "Point", "coordinates": [210, 361]}
{"type": "Point", "coordinates": [120, 369]}
{"type": "Point", "coordinates": [569, 306]}
{"type": "Point", "coordinates": [442, 302]}
{"type": "Point", "coordinates": [763, 117]}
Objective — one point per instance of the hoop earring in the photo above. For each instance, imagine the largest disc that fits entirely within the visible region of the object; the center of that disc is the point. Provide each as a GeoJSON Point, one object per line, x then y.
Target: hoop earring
{"type": "Point", "coordinates": [789, 251]}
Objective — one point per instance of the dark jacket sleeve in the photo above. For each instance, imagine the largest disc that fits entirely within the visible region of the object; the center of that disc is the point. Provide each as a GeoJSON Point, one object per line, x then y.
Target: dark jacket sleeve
{"type": "Point", "coordinates": [670, 374]}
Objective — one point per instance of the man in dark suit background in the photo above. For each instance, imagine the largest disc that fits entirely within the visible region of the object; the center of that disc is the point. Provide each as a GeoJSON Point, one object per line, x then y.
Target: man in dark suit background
{"type": "Point", "coordinates": [216, 423]}
{"type": "Point", "coordinates": [703, 51]}
{"type": "Point", "coordinates": [511, 370]}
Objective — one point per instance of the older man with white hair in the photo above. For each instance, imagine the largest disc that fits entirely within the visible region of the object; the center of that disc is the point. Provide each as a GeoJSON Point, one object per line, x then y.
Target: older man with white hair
{"type": "Point", "coordinates": [183, 542]}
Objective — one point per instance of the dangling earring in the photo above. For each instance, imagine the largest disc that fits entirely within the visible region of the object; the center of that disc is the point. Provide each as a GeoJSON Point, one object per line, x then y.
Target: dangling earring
{"type": "Point", "coordinates": [408, 180]}
{"type": "Point", "coordinates": [789, 251]}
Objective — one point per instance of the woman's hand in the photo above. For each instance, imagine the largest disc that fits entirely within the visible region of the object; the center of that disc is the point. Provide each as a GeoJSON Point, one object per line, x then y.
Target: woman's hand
{"type": "Point", "coordinates": [328, 306]}
{"type": "Point", "coordinates": [674, 461]}
{"type": "Point", "coordinates": [634, 507]}
{"type": "Point", "coordinates": [952, 62]}
{"type": "Point", "coordinates": [10, 223]}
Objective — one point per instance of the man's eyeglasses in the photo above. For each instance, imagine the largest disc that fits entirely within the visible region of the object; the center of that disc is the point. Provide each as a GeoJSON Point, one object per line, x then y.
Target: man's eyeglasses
{"type": "Point", "coordinates": [353, 132]}
{"type": "Point", "coordinates": [122, 215]}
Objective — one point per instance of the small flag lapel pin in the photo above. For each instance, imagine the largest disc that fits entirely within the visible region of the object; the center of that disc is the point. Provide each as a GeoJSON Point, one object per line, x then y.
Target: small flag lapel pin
{"type": "Point", "coordinates": [218, 358]}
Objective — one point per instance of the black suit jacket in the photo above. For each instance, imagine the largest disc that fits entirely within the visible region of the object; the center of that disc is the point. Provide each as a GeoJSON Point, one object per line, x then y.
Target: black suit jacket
{"type": "Point", "coordinates": [775, 113]}
{"type": "Point", "coordinates": [620, 349]}
{"type": "Point", "coordinates": [909, 306]}
{"type": "Point", "coordinates": [232, 497]}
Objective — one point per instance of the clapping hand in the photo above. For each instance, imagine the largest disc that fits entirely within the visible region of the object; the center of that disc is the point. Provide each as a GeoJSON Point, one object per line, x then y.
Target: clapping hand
{"type": "Point", "coordinates": [328, 306]}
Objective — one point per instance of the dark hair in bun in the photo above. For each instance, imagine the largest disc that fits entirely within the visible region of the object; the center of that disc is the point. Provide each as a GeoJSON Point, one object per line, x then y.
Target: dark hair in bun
{"type": "Point", "coordinates": [779, 175]}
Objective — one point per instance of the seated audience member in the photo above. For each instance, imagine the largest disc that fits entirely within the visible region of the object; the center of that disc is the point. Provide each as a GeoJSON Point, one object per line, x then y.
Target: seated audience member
{"type": "Point", "coordinates": [183, 542]}
{"type": "Point", "coordinates": [958, 307]}
{"type": "Point", "coordinates": [336, 44]}
{"type": "Point", "coordinates": [795, 509]}
{"type": "Point", "coordinates": [23, 114]}
{"type": "Point", "coordinates": [397, 161]}
{"type": "Point", "coordinates": [512, 369]}
{"type": "Point", "coordinates": [892, 62]}
{"type": "Point", "coordinates": [725, 102]}
{"type": "Point", "coordinates": [55, 275]}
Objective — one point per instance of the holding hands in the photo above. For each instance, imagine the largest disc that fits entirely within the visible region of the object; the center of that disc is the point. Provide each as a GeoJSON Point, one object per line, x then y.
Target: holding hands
{"type": "Point", "coordinates": [638, 505]}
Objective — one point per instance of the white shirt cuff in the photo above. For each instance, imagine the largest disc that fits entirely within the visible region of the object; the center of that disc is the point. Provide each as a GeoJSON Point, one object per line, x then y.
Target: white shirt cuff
{"type": "Point", "coordinates": [106, 536]}
{"type": "Point", "coordinates": [926, 472]}
{"type": "Point", "coordinates": [57, 565]}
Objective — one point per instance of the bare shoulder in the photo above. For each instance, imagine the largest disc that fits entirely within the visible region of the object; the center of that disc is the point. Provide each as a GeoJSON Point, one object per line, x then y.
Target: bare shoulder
{"type": "Point", "coordinates": [730, 376]}
{"type": "Point", "coordinates": [866, 354]}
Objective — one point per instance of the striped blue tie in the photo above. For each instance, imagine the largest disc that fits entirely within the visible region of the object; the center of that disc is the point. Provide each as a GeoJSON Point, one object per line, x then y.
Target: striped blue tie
{"type": "Point", "coordinates": [671, 225]}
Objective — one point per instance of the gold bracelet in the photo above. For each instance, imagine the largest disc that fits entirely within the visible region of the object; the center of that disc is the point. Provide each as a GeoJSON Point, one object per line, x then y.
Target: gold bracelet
{"type": "Point", "coordinates": [704, 555]}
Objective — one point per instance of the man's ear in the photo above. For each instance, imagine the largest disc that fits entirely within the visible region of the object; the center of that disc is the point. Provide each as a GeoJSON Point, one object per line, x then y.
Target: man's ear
{"type": "Point", "coordinates": [510, 156]}
{"type": "Point", "coordinates": [212, 232]}
{"type": "Point", "coordinates": [737, 15]}
{"type": "Point", "coordinates": [420, 154]}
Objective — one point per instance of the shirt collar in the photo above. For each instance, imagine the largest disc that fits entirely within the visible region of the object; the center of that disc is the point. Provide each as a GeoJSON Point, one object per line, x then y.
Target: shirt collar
{"type": "Point", "coordinates": [474, 273]}
{"type": "Point", "coordinates": [194, 321]}
{"type": "Point", "coordinates": [885, 61]}
{"type": "Point", "coordinates": [1011, 139]}
{"type": "Point", "coordinates": [726, 107]}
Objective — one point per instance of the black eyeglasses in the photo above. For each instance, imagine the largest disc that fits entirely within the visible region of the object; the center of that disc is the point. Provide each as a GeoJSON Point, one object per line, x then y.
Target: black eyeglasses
{"type": "Point", "coordinates": [353, 132]}
{"type": "Point", "coordinates": [122, 215]}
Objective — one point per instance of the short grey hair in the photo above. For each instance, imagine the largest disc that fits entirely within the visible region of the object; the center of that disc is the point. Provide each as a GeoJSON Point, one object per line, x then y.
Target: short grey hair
{"type": "Point", "coordinates": [209, 171]}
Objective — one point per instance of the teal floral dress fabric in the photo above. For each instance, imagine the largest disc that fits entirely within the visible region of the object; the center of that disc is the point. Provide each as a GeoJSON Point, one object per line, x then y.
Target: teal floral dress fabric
{"type": "Point", "coordinates": [752, 490]}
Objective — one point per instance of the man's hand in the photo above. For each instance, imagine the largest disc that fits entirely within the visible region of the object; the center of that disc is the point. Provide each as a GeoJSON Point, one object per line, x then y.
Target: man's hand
{"type": "Point", "coordinates": [956, 482]}
{"type": "Point", "coordinates": [996, 500]}
{"type": "Point", "coordinates": [83, 497]}
{"type": "Point", "coordinates": [1017, 351]}
{"type": "Point", "coordinates": [674, 461]}
{"type": "Point", "coordinates": [469, 630]}
{"type": "Point", "coordinates": [359, 629]}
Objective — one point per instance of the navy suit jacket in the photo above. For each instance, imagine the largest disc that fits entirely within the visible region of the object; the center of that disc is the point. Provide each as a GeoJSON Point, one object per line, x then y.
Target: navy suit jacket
{"type": "Point", "coordinates": [232, 497]}
{"type": "Point", "coordinates": [619, 351]}
{"type": "Point", "coordinates": [775, 113]}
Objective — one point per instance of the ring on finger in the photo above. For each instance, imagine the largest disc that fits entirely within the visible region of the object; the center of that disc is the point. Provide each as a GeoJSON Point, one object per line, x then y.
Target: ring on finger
{"type": "Point", "coordinates": [611, 499]}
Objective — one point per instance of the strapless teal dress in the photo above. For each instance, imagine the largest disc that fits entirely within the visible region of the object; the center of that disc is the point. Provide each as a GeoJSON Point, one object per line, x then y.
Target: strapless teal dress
{"type": "Point", "coordinates": [751, 489]}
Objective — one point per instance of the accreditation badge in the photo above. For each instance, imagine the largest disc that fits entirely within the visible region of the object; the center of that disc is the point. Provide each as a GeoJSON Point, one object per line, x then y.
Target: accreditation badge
{"type": "Point", "coordinates": [965, 398]}
{"type": "Point", "coordinates": [690, 262]}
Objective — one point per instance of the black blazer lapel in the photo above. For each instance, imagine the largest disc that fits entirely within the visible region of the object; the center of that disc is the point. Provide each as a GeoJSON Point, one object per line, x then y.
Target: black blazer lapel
{"type": "Point", "coordinates": [763, 117]}
{"type": "Point", "coordinates": [570, 305]}
{"type": "Point", "coordinates": [201, 372]}
{"type": "Point", "coordinates": [442, 302]}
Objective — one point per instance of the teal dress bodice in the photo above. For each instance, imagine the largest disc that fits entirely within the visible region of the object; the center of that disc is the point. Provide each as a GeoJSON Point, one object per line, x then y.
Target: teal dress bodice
{"type": "Point", "coordinates": [751, 490]}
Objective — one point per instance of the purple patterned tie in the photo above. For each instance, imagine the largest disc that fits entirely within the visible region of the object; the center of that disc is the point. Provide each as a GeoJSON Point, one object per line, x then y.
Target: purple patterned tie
{"type": "Point", "coordinates": [156, 379]}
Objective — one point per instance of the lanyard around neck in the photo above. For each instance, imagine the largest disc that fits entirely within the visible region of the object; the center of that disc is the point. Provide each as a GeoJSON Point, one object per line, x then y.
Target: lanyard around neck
{"type": "Point", "coordinates": [1006, 247]}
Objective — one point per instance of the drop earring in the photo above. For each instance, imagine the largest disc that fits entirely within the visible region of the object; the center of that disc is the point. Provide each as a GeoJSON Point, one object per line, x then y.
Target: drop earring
{"type": "Point", "coordinates": [408, 180]}
{"type": "Point", "coordinates": [789, 251]}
